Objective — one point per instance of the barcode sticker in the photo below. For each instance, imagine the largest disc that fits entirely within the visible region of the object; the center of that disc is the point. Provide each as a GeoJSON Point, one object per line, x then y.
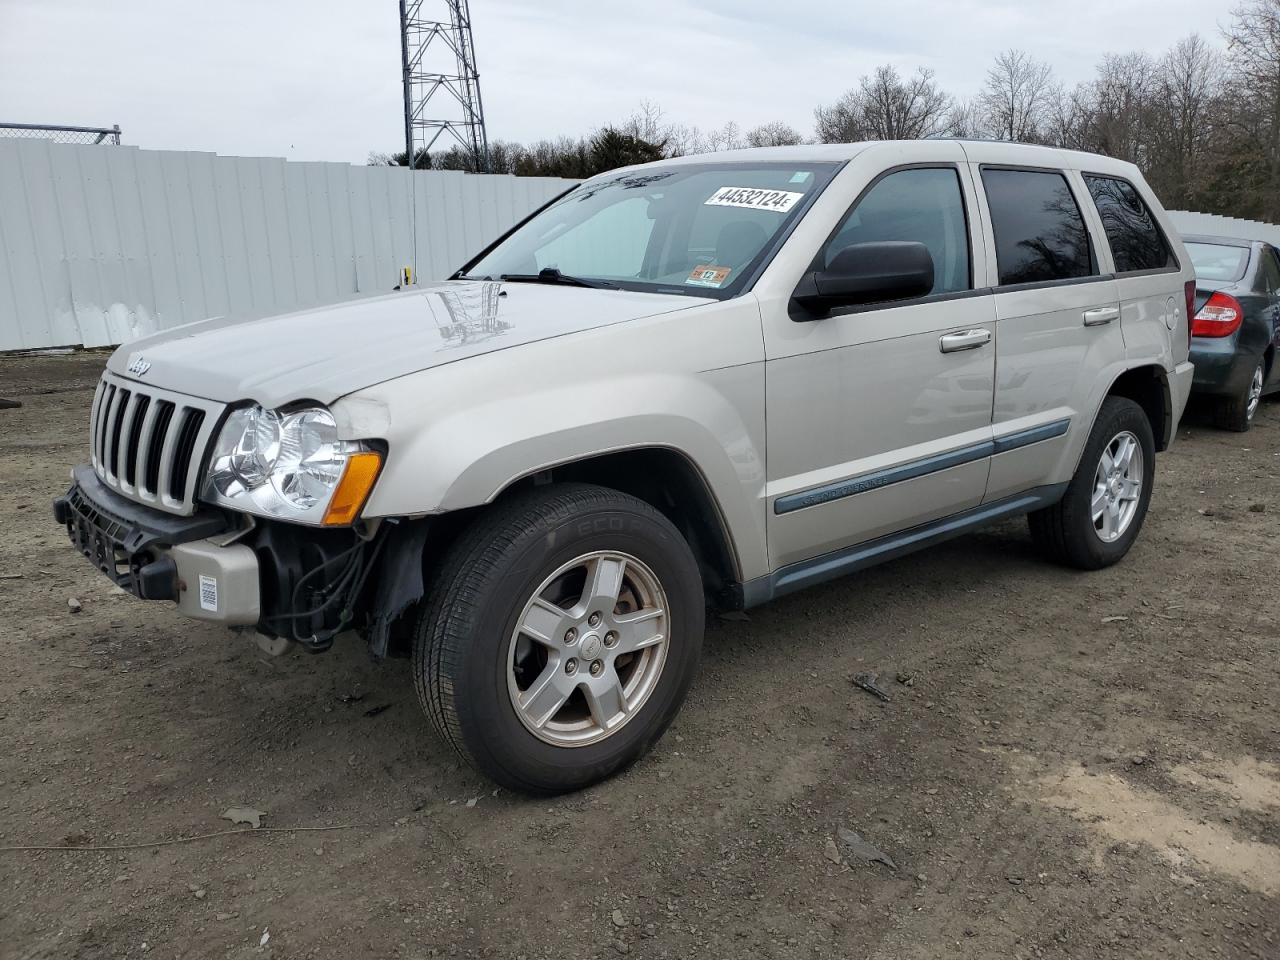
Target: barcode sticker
{"type": "Point", "coordinates": [752, 198]}
{"type": "Point", "coordinates": [208, 593]}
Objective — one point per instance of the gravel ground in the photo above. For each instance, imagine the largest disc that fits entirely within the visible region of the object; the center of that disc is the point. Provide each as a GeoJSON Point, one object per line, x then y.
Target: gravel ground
{"type": "Point", "coordinates": [1071, 765]}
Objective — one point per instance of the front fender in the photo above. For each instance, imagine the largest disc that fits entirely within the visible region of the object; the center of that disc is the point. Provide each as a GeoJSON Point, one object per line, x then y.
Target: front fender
{"type": "Point", "coordinates": [459, 435]}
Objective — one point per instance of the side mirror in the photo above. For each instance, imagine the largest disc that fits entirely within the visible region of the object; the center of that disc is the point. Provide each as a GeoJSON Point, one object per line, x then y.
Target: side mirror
{"type": "Point", "coordinates": [868, 273]}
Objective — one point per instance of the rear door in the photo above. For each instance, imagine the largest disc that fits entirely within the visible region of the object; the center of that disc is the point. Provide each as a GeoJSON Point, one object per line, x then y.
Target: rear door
{"type": "Point", "coordinates": [1148, 276]}
{"type": "Point", "coordinates": [1057, 326]}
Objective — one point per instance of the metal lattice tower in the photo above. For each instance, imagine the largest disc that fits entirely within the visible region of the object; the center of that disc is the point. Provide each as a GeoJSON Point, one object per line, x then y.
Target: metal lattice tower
{"type": "Point", "coordinates": [441, 85]}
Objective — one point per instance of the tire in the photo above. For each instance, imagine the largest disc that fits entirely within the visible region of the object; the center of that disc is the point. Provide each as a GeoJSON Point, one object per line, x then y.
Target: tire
{"type": "Point", "coordinates": [470, 661]}
{"type": "Point", "coordinates": [1069, 531]}
{"type": "Point", "coordinates": [1236, 413]}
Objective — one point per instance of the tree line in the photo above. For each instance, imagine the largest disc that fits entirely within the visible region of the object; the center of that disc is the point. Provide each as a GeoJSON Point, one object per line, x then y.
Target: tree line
{"type": "Point", "coordinates": [1201, 120]}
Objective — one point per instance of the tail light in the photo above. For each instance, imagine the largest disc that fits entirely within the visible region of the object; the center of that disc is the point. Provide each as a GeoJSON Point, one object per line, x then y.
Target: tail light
{"type": "Point", "coordinates": [1190, 289]}
{"type": "Point", "coordinates": [1221, 316]}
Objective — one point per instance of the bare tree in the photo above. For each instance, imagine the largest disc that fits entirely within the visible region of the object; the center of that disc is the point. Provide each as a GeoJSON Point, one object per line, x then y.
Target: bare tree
{"type": "Point", "coordinates": [1016, 97]}
{"type": "Point", "coordinates": [1118, 103]}
{"type": "Point", "coordinates": [1187, 87]}
{"type": "Point", "coordinates": [774, 134]}
{"type": "Point", "coordinates": [1253, 39]}
{"type": "Point", "coordinates": [884, 106]}
{"type": "Point", "coordinates": [965, 120]}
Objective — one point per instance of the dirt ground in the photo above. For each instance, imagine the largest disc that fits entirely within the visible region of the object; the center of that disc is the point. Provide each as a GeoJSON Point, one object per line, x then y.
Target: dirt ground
{"type": "Point", "coordinates": [1071, 765]}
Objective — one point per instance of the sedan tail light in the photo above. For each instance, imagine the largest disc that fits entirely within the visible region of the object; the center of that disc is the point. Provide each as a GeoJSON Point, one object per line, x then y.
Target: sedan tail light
{"type": "Point", "coordinates": [1221, 316]}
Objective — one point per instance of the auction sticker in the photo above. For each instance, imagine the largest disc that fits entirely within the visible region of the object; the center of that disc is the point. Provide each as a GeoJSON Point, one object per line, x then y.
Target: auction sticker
{"type": "Point", "coordinates": [708, 275]}
{"type": "Point", "coordinates": [208, 593]}
{"type": "Point", "coordinates": [754, 198]}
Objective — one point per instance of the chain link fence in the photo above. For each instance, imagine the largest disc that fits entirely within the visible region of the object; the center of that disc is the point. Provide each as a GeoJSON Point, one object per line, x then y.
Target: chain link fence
{"type": "Point", "coordinates": [60, 134]}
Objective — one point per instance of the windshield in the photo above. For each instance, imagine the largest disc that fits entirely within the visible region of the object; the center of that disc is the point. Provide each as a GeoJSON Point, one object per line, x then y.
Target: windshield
{"type": "Point", "coordinates": [698, 229]}
{"type": "Point", "coordinates": [1218, 261]}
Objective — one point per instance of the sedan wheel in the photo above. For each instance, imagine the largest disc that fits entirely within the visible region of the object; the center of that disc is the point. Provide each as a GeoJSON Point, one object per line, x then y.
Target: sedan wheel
{"type": "Point", "coordinates": [1255, 392]}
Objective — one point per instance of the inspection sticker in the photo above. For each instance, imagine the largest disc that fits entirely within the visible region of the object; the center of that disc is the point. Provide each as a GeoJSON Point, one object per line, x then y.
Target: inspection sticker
{"type": "Point", "coordinates": [753, 198]}
{"type": "Point", "coordinates": [708, 275]}
{"type": "Point", "coordinates": [208, 593]}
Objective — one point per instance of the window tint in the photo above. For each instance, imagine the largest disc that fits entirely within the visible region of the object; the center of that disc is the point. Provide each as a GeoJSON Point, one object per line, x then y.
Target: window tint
{"type": "Point", "coordinates": [1040, 234]}
{"type": "Point", "coordinates": [926, 206]}
{"type": "Point", "coordinates": [1136, 240]}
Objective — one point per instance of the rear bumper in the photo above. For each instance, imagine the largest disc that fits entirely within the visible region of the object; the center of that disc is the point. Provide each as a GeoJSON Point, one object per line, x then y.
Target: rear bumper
{"type": "Point", "coordinates": [1221, 368]}
{"type": "Point", "coordinates": [1180, 385]}
{"type": "Point", "coordinates": [188, 561]}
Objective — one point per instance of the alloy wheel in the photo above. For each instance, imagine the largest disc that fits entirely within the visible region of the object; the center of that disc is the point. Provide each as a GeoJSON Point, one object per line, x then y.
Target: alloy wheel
{"type": "Point", "coordinates": [588, 648]}
{"type": "Point", "coordinates": [1117, 487]}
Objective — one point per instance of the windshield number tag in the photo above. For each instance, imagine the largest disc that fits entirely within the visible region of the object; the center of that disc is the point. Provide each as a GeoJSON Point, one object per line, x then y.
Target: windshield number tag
{"type": "Point", "coordinates": [754, 199]}
{"type": "Point", "coordinates": [708, 275]}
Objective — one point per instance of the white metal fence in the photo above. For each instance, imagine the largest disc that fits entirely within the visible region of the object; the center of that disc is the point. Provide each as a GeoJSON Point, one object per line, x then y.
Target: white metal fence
{"type": "Point", "coordinates": [99, 246]}
{"type": "Point", "coordinates": [1212, 225]}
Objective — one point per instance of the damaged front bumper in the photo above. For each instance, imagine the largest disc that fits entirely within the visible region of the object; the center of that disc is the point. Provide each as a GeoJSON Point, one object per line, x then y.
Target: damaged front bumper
{"type": "Point", "coordinates": [298, 583]}
{"type": "Point", "coordinates": [190, 561]}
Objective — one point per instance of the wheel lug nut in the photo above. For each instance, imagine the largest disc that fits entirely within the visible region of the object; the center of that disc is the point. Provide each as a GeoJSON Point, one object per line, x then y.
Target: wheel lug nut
{"type": "Point", "coordinates": [611, 639]}
{"type": "Point", "coordinates": [597, 668]}
{"type": "Point", "coordinates": [570, 635]}
{"type": "Point", "coordinates": [594, 619]}
{"type": "Point", "coordinates": [571, 666]}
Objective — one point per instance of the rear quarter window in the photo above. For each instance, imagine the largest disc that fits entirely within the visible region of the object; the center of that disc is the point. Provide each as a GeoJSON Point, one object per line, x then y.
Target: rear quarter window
{"type": "Point", "coordinates": [1135, 238]}
{"type": "Point", "coordinates": [1039, 231]}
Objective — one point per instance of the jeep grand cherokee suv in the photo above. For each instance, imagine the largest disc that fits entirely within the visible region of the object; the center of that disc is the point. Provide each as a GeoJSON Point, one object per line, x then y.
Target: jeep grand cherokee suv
{"type": "Point", "coordinates": [708, 381]}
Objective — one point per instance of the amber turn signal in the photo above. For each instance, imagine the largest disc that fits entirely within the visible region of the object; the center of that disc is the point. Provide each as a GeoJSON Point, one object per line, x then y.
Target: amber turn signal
{"type": "Point", "coordinates": [353, 489]}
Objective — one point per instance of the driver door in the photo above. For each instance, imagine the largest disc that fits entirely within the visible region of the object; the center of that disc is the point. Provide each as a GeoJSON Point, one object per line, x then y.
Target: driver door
{"type": "Point", "coordinates": [879, 416]}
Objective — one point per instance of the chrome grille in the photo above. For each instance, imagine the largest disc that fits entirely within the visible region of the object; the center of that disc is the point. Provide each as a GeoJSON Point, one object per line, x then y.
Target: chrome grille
{"type": "Point", "coordinates": [148, 444]}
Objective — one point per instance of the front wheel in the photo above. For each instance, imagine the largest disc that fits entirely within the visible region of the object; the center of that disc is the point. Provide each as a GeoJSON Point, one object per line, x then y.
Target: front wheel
{"type": "Point", "coordinates": [1098, 518]}
{"type": "Point", "coordinates": [562, 634]}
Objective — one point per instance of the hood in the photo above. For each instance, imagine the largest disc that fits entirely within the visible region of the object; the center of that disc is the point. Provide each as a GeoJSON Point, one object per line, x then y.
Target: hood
{"type": "Point", "coordinates": [325, 353]}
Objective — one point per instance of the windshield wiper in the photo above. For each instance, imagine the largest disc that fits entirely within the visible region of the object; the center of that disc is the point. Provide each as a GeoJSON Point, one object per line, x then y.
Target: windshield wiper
{"type": "Point", "coordinates": [554, 276]}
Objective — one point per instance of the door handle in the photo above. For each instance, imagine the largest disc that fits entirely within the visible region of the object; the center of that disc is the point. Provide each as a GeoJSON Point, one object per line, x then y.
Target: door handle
{"type": "Point", "coordinates": [1096, 318]}
{"type": "Point", "coordinates": [964, 340]}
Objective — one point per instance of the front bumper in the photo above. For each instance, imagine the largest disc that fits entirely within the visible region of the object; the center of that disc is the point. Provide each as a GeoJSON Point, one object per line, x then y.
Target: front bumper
{"type": "Point", "coordinates": [156, 556]}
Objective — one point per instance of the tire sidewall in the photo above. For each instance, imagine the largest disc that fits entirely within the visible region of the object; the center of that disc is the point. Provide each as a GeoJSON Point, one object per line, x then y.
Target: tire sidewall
{"type": "Point", "coordinates": [489, 725]}
{"type": "Point", "coordinates": [1117, 416]}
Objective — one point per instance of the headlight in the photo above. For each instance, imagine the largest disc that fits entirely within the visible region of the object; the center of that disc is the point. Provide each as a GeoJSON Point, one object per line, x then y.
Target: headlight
{"type": "Point", "coordinates": [289, 465]}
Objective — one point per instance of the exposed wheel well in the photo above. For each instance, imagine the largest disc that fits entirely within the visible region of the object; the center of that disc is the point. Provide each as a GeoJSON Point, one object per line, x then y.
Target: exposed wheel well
{"type": "Point", "coordinates": [1148, 387]}
{"type": "Point", "coordinates": [668, 481]}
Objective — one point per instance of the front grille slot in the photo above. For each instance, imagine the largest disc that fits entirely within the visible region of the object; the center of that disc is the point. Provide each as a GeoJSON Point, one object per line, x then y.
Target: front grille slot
{"type": "Point", "coordinates": [104, 415]}
{"type": "Point", "coordinates": [117, 423]}
{"type": "Point", "coordinates": [148, 443]}
{"type": "Point", "coordinates": [155, 444]}
{"type": "Point", "coordinates": [140, 408]}
{"type": "Point", "coordinates": [187, 434]}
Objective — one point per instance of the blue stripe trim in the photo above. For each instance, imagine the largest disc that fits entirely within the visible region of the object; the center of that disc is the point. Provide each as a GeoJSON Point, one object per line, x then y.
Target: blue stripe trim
{"type": "Point", "coordinates": [1024, 438]}
{"type": "Point", "coordinates": [805, 573]}
{"type": "Point", "coordinates": [882, 478]}
{"type": "Point", "coordinates": [918, 468]}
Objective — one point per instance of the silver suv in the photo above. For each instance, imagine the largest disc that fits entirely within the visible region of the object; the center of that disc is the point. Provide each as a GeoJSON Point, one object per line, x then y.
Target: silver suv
{"type": "Point", "coordinates": [700, 383]}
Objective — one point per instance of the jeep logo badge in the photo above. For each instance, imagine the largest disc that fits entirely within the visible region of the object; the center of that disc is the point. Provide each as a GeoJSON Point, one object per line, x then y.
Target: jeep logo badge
{"type": "Point", "coordinates": [139, 365]}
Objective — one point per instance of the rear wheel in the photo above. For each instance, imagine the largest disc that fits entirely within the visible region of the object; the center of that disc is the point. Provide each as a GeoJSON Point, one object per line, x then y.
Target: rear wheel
{"type": "Point", "coordinates": [1101, 513]}
{"type": "Point", "coordinates": [563, 632]}
{"type": "Point", "coordinates": [1237, 413]}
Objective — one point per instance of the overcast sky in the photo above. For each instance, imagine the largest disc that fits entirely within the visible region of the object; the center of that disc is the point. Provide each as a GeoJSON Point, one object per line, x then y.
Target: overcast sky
{"type": "Point", "coordinates": [320, 79]}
